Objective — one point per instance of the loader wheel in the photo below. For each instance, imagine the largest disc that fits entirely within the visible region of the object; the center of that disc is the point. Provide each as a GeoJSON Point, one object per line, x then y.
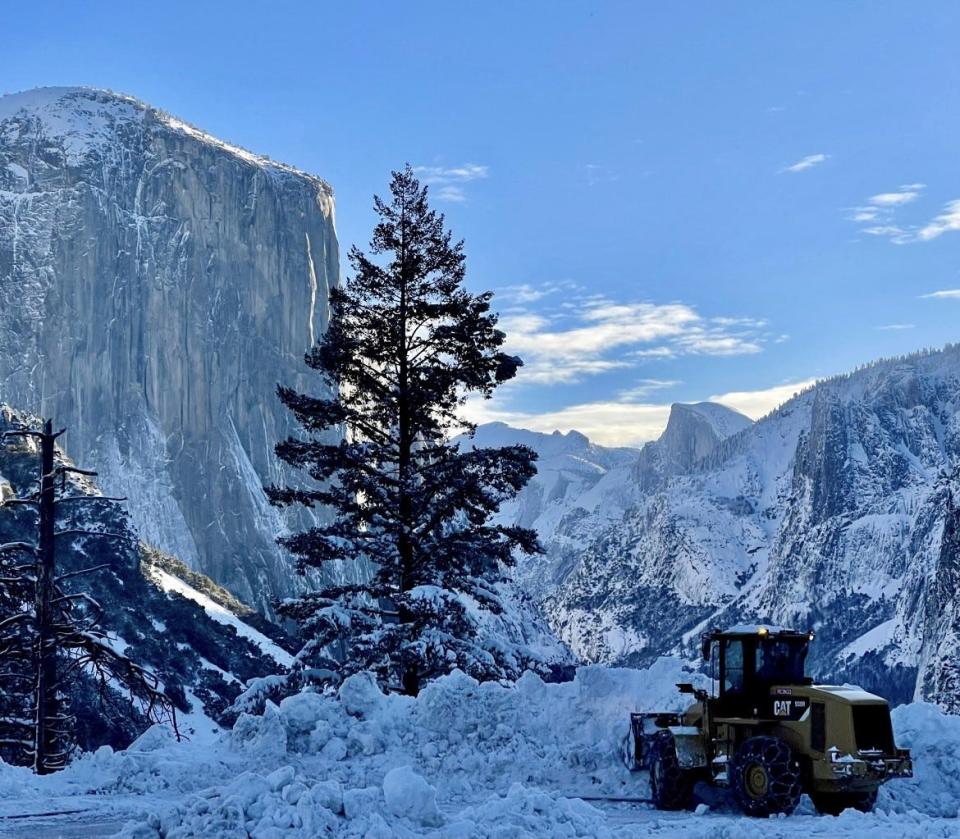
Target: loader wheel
{"type": "Point", "coordinates": [834, 803]}
{"type": "Point", "coordinates": [670, 786]}
{"type": "Point", "coordinates": [765, 777]}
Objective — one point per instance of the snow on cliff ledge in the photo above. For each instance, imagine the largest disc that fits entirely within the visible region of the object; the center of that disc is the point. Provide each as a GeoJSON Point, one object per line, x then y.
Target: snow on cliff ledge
{"type": "Point", "coordinates": [87, 118]}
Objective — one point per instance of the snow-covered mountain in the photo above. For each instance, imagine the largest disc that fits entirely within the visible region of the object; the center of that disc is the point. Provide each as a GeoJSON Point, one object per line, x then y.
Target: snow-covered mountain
{"type": "Point", "coordinates": [828, 513]}
{"type": "Point", "coordinates": [575, 491]}
{"type": "Point", "coordinates": [155, 285]}
{"type": "Point", "coordinates": [200, 640]}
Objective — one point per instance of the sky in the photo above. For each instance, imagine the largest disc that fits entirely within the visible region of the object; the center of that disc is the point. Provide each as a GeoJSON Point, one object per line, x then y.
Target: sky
{"type": "Point", "coordinates": [672, 202]}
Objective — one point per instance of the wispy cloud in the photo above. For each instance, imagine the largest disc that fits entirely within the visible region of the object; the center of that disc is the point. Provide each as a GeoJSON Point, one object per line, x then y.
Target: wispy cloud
{"type": "Point", "coordinates": [892, 199]}
{"type": "Point", "coordinates": [948, 220]}
{"type": "Point", "coordinates": [895, 327]}
{"type": "Point", "coordinates": [880, 214]}
{"type": "Point", "coordinates": [943, 294]}
{"type": "Point", "coordinates": [623, 421]}
{"type": "Point", "coordinates": [645, 387]}
{"type": "Point", "coordinates": [596, 335]}
{"type": "Point", "coordinates": [524, 293]}
{"type": "Point", "coordinates": [759, 403]}
{"type": "Point", "coordinates": [597, 174]}
{"type": "Point", "coordinates": [878, 211]}
{"type": "Point", "coordinates": [448, 181]}
{"type": "Point", "coordinates": [807, 162]}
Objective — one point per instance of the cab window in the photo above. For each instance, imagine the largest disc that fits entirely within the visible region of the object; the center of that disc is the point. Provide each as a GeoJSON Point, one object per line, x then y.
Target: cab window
{"type": "Point", "coordinates": [780, 660]}
{"type": "Point", "coordinates": [732, 666]}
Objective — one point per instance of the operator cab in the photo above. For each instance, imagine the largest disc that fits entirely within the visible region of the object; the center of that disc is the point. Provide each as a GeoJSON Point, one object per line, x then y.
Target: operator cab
{"type": "Point", "coordinates": [752, 659]}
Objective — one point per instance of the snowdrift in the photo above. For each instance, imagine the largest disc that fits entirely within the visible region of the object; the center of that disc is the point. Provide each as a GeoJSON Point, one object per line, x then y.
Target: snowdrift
{"type": "Point", "coordinates": [463, 759]}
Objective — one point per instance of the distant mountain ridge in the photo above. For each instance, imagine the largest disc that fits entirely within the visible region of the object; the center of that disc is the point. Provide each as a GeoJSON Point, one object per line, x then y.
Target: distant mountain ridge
{"type": "Point", "coordinates": [833, 512]}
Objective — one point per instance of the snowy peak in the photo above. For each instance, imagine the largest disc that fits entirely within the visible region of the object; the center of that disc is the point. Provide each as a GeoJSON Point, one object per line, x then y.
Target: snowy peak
{"type": "Point", "coordinates": [78, 118]}
{"type": "Point", "coordinates": [571, 444]}
{"type": "Point", "coordinates": [833, 511]}
{"type": "Point", "coordinates": [724, 421]}
{"type": "Point", "coordinates": [693, 430]}
{"type": "Point", "coordinates": [577, 484]}
{"type": "Point", "coordinates": [85, 120]}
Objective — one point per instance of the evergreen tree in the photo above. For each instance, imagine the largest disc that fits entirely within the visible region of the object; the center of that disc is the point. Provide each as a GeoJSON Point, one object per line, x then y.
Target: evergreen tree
{"type": "Point", "coordinates": [406, 344]}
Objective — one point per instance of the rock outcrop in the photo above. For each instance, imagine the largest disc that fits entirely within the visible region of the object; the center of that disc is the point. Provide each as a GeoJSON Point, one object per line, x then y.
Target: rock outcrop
{"type": "Point", "coordinates": [155, 286]}
{"type": "Point", "coordinates": [692, 434]}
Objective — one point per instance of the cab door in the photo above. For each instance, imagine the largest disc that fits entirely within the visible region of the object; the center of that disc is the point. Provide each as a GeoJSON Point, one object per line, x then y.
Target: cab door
{"type": "Point", "coordinates": [736, 671]}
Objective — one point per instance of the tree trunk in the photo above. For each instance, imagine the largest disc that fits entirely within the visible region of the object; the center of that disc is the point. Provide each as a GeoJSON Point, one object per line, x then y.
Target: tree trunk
{"type": "Point", "coordinates": [410, 678]}
{"type": "Point", "coordinates": [45, 756]}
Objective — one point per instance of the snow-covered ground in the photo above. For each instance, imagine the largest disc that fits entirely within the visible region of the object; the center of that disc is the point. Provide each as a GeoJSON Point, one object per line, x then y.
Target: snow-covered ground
{"type": "Point", "coordinates": [461, 760]}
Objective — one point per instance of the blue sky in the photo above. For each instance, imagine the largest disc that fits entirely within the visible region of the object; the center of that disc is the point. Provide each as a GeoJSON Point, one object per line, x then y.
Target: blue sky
{"type": "Point", "coordinates": [674, 202]}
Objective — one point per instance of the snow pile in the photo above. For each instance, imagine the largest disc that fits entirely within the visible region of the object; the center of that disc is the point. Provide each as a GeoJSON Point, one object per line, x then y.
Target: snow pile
{"type": "Point", "coordinates": [407, 795]}
{"type": "Point", "coordinates": [479, 761]}
{"type": "Point", "coordinates": [365, 763]}
{"type": "Point", "coordinates": [934, 742]}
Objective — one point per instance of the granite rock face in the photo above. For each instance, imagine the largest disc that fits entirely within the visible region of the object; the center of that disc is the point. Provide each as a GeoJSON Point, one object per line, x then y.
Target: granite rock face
{"type": "Point", "coordinates": [692, 434]}
{"type": "Point", "coordinates": [155, 286]}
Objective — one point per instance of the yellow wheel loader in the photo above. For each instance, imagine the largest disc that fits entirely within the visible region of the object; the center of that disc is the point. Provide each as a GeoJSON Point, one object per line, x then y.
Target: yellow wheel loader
{"type": "Point", "coordinates": [769, 733]}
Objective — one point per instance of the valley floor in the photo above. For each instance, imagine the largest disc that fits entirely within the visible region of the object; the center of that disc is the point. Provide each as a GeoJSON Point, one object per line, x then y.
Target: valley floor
{"type": "Point", "coordinates": [462, 760]}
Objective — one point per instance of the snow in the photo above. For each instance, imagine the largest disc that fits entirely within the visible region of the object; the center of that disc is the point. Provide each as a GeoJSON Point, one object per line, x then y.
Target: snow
{"type": "Point", "coordinates": [874, 639]}
{"type": "Point", "coordinates": [725, 421]}
{"type": "Point", "coordinates": [220, 614]}
{"type": "Point", "coordinates": [87, 118]}
{"type": "Point", "coordinates": [828, 513]}
{"type": "Point", "coordinates": [18, 171]}
{"type": "Point", "coordinates": [82, 118]}
{"type": "Point", "coordinates": [461, 760]}
{"type": "Point", "coordinates": [407, 795]}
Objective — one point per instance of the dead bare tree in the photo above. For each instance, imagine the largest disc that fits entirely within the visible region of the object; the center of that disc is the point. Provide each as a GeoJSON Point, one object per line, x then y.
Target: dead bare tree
{"type": "Point", "coordinates": [48, 634]}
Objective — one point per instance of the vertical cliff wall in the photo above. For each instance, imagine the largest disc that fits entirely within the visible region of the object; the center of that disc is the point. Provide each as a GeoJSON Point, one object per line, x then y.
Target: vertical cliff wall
{"type": "Point", "coordinates": [155, 285]}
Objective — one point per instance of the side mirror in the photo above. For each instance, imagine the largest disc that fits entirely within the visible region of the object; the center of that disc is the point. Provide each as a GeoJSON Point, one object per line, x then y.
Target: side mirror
{"type": "Point", "coordinates": [685, 687]}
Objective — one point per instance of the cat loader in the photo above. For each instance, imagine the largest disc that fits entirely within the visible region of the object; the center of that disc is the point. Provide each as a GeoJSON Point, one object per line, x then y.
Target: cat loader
{"type": "Point", "coordinates": [769, 734]}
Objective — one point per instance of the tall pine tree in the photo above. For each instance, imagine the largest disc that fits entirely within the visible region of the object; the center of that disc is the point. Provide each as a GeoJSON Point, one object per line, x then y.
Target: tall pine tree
{"type": "Point", "coordinates": [406, 344]}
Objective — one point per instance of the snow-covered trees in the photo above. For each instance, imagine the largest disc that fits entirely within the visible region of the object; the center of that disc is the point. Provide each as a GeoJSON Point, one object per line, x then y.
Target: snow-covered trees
{"type": "Point", "coordinates": [406, 343]}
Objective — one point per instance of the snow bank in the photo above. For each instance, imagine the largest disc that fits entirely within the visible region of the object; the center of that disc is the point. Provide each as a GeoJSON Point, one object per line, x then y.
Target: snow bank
{"type": "Point", "coordinates": [934, 741]}
{"type": "Point", "coordinates": [479, 761]}
{"type": "Point", "coordinates": [369, 764]}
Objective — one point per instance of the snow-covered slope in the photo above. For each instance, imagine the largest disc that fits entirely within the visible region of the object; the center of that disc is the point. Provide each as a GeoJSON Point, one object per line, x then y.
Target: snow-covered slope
{"type": "Point", "coordinates": [574, 478]}
{"type": "Point", "coordinates": [155, 285]}
{"type": "Point", "coordinates": [581, 488]}
{"type": "Point", "coordinates": [828, 513]}
{"type": "Point", "coordinates": [203, 643]}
